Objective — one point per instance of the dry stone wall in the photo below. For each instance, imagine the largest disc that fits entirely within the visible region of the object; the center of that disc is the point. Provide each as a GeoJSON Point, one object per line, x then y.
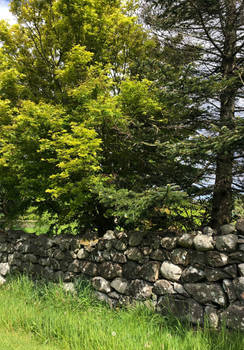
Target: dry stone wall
{"type": "Point", "coordinates": [198, 276]}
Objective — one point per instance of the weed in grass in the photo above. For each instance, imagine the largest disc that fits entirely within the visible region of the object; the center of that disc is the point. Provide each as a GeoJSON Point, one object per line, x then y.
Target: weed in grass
{"type": "Point", "coordinates": [77, 322]}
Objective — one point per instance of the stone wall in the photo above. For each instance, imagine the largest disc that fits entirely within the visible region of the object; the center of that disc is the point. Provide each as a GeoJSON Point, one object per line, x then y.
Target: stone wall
{"type": "Point", "coordinates": [198, 276]}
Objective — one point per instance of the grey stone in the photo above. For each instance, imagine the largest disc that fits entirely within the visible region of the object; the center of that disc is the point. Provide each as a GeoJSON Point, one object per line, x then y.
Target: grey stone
{"type": "Point", "coordinates": [135, 239]}
{"type": "Point", "coordinates": [180, 289]}
{"type": "Point", "coordinates": [10, 259]}
{"type": "Point", "coordinates": [119, 245]}
{"type": "Point", "coordinates": [118, 257]}
{"type": "Point", "coordinates": [226, 243]}
{"type": "Point", "coordinates": [158, 254]}
{"type": "Point", "coordinates": [203, 242]}
{"type": "Point", "coordinates": [140, 289]}
{"type": "Point", "coordinates": [170, 271]}
{"type": "Point", "coordinates": [216, 259]}
{"type": "Point", "coordinates": [69, 287]}
{"type": "Point", "coordinates": [146, 250]}
{"type": "Point", "coordinates": [4, 269]}
{"type": "Point", "coordinates": [38, 251]}
{"type": "Point", "coordinates": [108, 245]}
{"type": "Point", "coordinates": [155, 243]}
{"type": "Point", "coordinates": [4, 247]}
{"type": "Point", "coordinates": [131, 270]}
{"type": "Point", "coordinates": [241, 269]}
{"type": "Point", "coordinates": [49, 242]}
{"type": "Point", "coordinates": [104, 298]}
{"type": "Point", "coordinates": [101, 244]}
{"type": "Point", "coordinates": [211, 317]}
{"type": "Point", "coordinates": [169, 242]}
{"type": "Point", "coordinates": [120, 285]}
{"type": "Point", "coordinates": [134, 254]}
{"type": "Point", "coordinates": [238, 284]}
{"type": "Point", "coordinates": [180, 257]}
{"type": "Point", "coordinates": [62, 242]}
{"type": "Point", "coordinates": [14, 259]}
{"type": "Point", "coordinates": [4, 258]}
{"type": "Point", "coordinates": [121, 234]}
{"type": "Point", "coordinates": [82, 254]}
{"type": "Point", "coordinates": [100, 284]}
{"type": "Point", "coordinates": [198, 259]}
{"type": "Point", "coordinates": [186, 240]}
{"type": "Point", "coordinates": [231, 270]}
{"type": "Point", "coordinates": [240, 226]}
{"type": "Point", "coordinates": [109, 235]}
{"type": "Point", "coordinates": [106, 255]}
{"type": "Point", "coordinates": [48, 273]}
{"type": "Point", "coordinates": [162, 287]}
{"type": "Point", "coordinates": [208, 231]}
{"type": "Point", "coordinates": [124, 300]}
{"type": "Point", "coordinates": [24, 247]}
{"type": "Point", "coordinates": [55, 264]}
{"type": "Point", "coordinates": [205, 293]}
{"type": "Point", "coordinates": [236, 257]}
{"type": "Point", "coordinates": [192, 274]}
{"type": "Point", "coordinates": [96, 256]}
{"type": "Point", "coordinates": [2, 280]}
{"type": "Point", "coordinates": [73, 254]}
{"type": "Point", "coordinates": [233, 317]}
{"type": "Point", "coordinates": [215, 274]}
{"type": "Point", "coordinates": [88, 268]}
{"type": "Point", "coordinates": [150, 304]}
{"type": "Point", "coordinates": [69, 276]}
{"type": "Point", "coordinates": [110, 270]}
{"type": "Point", "coordinates": [29, 258]}
{"type": "Point", "coordinates": [227, 229]}
{"type": "Point", "coordinates": [58, 276]}
{"type": "Point", "coordinates": [75, 266]}
{"type": "Point", "coordinates": [114, 295]}
{"type": "Point", "coordinates": [184, 309]}
{"type": "Point", "coordinates": [150, 271]}
{"type": "Point", "coordinates": [90, 248]}
{"type": "Point", "coordinates": [59, 255]}
{"type": "Point", "coordinates": [229, 290]}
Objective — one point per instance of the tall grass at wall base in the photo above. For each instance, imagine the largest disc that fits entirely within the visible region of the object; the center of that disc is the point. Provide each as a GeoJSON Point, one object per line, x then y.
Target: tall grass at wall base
{"type": "Point", "coordinates": [79, 322]}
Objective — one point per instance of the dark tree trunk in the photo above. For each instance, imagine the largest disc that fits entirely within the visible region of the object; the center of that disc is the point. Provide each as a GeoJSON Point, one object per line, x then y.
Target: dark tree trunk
{"type": "Point", "coordinates": [222, 196]}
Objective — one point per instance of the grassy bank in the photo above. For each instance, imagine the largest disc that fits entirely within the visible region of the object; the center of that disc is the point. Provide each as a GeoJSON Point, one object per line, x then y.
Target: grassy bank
{"type": "Point", "coordinates": [46, 314]}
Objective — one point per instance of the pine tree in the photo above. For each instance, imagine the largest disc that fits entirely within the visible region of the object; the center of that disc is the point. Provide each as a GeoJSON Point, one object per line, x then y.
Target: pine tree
{"type": "Point", "coordinates": [215, 29]}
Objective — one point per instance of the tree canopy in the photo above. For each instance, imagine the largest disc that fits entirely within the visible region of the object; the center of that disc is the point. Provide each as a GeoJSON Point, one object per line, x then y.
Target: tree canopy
{"type": "Point", "coordinates": [114, 112]}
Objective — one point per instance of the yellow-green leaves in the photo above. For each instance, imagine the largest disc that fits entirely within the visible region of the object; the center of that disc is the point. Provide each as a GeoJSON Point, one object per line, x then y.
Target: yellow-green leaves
{"type": "Point", "coordinates": [51, 158]}
{"type": "Point", "coordinates": [139, 98]}
{"type": "Point", "coordinates": [75, 66]}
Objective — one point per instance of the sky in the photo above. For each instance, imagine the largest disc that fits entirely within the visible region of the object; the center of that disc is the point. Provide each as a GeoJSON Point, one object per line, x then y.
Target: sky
{"type": "Point", "coordinates": [5, 13]}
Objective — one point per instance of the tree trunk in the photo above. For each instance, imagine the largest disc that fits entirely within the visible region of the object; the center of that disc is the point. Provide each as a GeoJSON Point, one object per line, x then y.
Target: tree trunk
{"type": "Point", "coordinates": [222, 196]}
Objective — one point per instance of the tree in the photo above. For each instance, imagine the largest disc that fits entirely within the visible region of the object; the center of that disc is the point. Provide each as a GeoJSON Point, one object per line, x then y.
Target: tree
{"type": "Point", "coordinates": [215, 29]}
{"type": "Point", "coordinates": [49, 161]}
{"type": "Point", "coordinates": [60, 69]}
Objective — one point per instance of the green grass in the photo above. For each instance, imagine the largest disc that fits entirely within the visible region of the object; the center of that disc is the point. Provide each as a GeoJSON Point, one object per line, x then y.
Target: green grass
{"type": "Point", "coordinates": [12, 340]}
{"type": "Point", "coordinates": [45, 314]}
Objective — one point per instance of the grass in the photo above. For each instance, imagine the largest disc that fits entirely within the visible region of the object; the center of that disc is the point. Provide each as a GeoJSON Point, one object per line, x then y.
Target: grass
{"type": "Point", "coordinates": [49, 318]}
{"type": "Point", "coordinates": [12, 340]}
